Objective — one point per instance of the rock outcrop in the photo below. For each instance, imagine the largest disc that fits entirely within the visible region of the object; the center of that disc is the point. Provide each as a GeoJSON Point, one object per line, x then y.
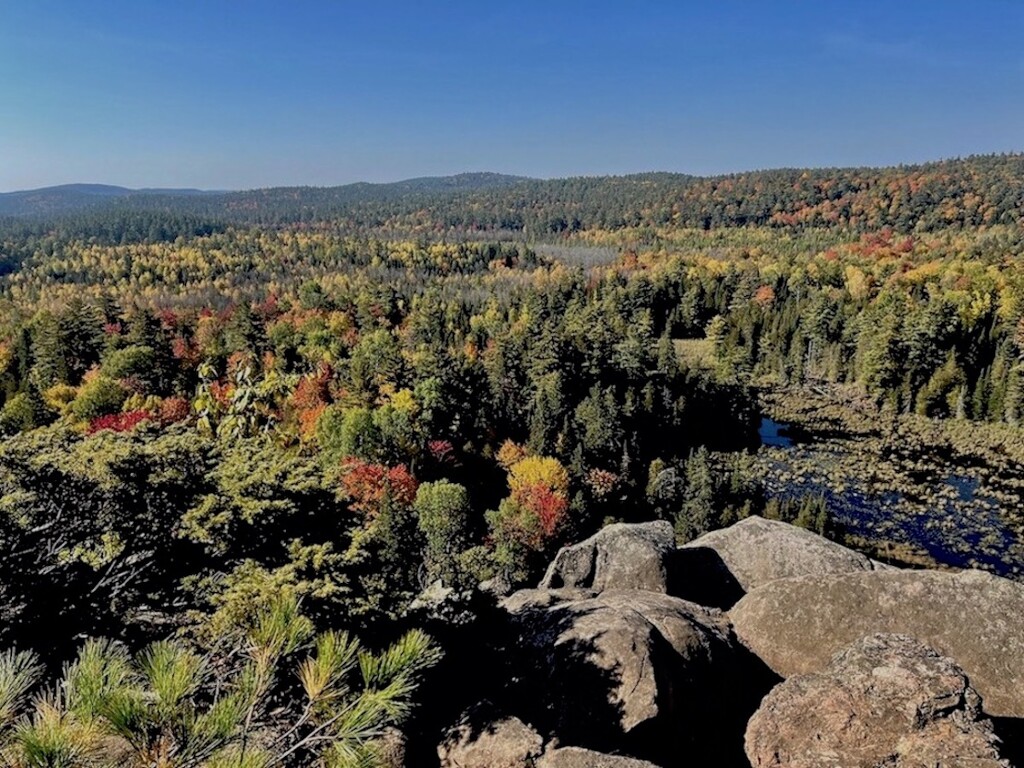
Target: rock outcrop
{"type": "Point", "coordinates": [620, 556]}
{"type": "Point", "coordinates": [505, 743]}
{"type": "Point", "coordinates": [888, 700]}
{"type": "Point", "coordinates": [637, 668]}
{"type": "Point", "coordinates": [720, 567]}
{"type": "Point", "coordinates": [623, 655]}
{"type": "Point", "coordinates": [575, 757]}
{"type": "Point", "coordinates": [796, 625]}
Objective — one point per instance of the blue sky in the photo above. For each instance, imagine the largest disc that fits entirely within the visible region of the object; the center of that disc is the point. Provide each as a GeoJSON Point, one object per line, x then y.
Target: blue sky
{"type": "Point", "coordinates": [237, 94]}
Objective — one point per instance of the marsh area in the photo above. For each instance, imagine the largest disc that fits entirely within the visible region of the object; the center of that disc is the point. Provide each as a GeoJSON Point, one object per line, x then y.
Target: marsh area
{"type": "Point", "coordinates": [909, 489]}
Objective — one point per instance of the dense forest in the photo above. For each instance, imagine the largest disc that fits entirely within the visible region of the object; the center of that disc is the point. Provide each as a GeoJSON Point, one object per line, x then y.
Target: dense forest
{"type": "Point", "coordinates": [242, 430]}
{"type": "Point", "coordinates": [980, 190]}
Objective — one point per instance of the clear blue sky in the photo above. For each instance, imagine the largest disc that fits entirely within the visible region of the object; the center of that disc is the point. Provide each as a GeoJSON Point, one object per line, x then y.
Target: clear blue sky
{"type": "Point", "coordinates": [235, 94]}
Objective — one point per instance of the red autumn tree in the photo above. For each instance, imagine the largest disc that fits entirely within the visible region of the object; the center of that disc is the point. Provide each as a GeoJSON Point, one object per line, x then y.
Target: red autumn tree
{"type": "Point", "coordinates": [174, 409]}
{"type": "Point", "coordinates": [118, 422]}
{"type": "Point", "coordinates": [367, 485]}
{"type": "Point", "coordinates": [535, 511]}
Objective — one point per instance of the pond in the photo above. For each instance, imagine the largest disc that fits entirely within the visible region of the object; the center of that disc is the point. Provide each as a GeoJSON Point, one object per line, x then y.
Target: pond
{"type": "Point", "coordinates": [773, 432]}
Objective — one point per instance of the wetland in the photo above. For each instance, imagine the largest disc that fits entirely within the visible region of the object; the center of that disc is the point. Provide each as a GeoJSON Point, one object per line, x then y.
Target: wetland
{"type": "Point", "coordinates": [906, 488]}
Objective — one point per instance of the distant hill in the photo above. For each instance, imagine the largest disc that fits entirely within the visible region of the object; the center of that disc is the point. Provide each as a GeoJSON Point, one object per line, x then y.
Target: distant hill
{"type": "Point", "coordinates": [69, 198]}
{"type": "Point", "coordinates": [964, 192]}
{"type": "Point", "coordinates": [460, 181]}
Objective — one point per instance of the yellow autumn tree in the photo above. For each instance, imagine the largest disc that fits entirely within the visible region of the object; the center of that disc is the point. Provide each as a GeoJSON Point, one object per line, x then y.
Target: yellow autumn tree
{"type": "Point", "coordinates": [536, 471]}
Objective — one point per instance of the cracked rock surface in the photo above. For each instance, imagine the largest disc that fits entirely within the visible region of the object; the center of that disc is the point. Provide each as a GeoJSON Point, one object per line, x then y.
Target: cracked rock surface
{"type": "Point", "coordinates": [887, 701]}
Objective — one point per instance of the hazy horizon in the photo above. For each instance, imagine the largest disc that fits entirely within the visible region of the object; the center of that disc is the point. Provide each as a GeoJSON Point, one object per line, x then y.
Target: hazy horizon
{"type": "Point", "coordinates": [242, 96]}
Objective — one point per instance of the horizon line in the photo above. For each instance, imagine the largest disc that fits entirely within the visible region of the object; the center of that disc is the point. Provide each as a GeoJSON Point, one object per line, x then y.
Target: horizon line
{"type": "Point", "coordinates": [157, 189]}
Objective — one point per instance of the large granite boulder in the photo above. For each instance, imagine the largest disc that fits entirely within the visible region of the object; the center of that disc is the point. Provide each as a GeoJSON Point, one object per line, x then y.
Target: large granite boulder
{"type": "Point", "coordinates": [888, 700]}
{"type": "Point", "coordinates": [575, 757]}
{"type": "Point", "coordinates": [619, 556]}
{"type": "Point", "coordinates": [719, 567]}
{"type": "Point", "coordinates": [504, 743]}
{"type": "Point", "coordinates": [796, 625]}
{"type": "Point", "coordinates": [637, 670]}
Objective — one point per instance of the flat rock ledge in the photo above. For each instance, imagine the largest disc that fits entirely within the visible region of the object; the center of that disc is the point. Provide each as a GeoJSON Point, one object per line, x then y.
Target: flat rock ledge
{"type": "Point", "coordinates": [576, 757]}
{"type": "Point", "coordinates": [719, 567]}
{"type": "Point", "coordinates": [505, 743]}
{"type": "Point", "coordinates": [511, 743]}
{"type": "Point", "coordinates": [796, 625]}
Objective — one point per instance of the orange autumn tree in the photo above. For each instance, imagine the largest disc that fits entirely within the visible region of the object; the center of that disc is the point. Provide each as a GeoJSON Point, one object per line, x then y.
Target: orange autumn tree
{"type": "Point", "coordinates": [532, 516]}
{"type": "Point", "coordinates": [310, 399]}
{"type": "Point", "coordinates": [510, 453]}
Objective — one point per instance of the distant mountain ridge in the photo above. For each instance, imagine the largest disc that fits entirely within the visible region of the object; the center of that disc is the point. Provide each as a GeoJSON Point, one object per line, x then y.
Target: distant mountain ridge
{"type": "Point", "coordinates": [68, 198]}
{"type": "Point", "coordinates": [972, 191]}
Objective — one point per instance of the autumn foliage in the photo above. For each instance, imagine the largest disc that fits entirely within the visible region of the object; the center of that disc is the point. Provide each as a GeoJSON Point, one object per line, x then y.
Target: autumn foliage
{"type": "Point", "coordinates": [310, 399]}
{"type": "Point", "coordinates": [174, 409]}
{"type": "Point", "coordinates": [118, 422]}
{"type": "Point", "coordinates": [441, 451]}
{"type": "Point", "coordinates": [510, 453]}
{"type": "Point", "coordinates": [535, 511]}
{"type": "Point", "coordinates": [368, 485]}
{"type": "Point", "coordinates": [602, 482]}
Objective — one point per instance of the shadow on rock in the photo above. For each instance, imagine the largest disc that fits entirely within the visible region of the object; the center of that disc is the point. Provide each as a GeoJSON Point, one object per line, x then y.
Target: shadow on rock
{"type": "Point", "coordinates": [637, 673]}
{"type": "Point", "coordinates": [1010, 731]}
{"type": "Point", "coordinates": [562, 684]}
{"type": "Point", "coordinates": [699, 574]}
{"type": "Point", "coordinates": [471, 683]}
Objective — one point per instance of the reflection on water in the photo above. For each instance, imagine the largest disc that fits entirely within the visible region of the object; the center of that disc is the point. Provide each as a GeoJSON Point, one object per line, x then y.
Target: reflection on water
{"type": "Point", "coordinates": [773, 432]}
{"type": "Point", "coordinates": [966, 487]}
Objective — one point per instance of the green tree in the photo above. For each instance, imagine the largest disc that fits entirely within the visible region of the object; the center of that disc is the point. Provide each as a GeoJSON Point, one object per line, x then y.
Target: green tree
{"type": "Point", "coordinates": [343, 432]}
{"type": "Point", "coordinates": [98, 397]}
{"type": "Point", "coordinates": [133, 362]}
{"type": "Point", "coordinates": [697, 515]}
{"type": "Point", "coordinates": [25, 411]}
{"type": "Point", "coordinates": [442, 513]}
{"type": "Point", "coordinates": [941, 396]}
{"type": "Point", "coordinates": [376, 366]}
